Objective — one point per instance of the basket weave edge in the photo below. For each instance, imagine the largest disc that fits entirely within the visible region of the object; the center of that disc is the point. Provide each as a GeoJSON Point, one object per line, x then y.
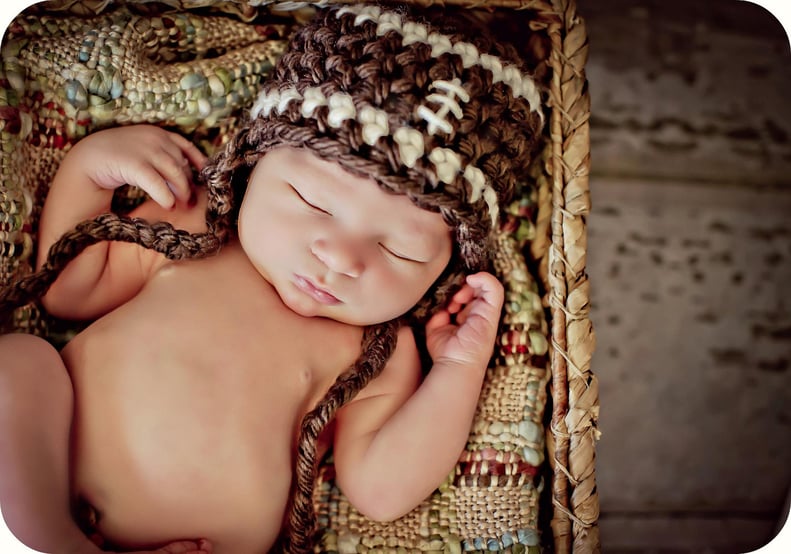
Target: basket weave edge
{"type": "Point", "coordinates": [573, 431]}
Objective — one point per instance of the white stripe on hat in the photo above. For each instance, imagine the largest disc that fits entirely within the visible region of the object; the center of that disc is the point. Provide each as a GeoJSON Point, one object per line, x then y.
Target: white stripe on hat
{"type": "Point", "coordinates": [521, 84]}
{"type": "Point", "coordinates": [374, 122]}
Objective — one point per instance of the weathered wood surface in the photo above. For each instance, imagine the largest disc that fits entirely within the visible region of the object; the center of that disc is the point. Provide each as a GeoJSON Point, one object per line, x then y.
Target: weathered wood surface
{"type": "Point", "coordinates": [690, 268]}
{"type": "Point", "coordinates": [691, 292]}
{"type": "Point", "coordinates": [696, 89]}
{"type": "Point", "coordinates": [679, 533]}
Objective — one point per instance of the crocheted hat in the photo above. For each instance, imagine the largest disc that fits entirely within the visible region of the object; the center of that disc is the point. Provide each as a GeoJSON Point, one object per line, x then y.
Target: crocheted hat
{"type": "Point", "coordinates": [441, 114]}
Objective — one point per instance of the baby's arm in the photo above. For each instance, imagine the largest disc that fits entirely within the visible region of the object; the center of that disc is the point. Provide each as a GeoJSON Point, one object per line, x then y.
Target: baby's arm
{"type": "Point", "coordinates": [399, 439]}
{"type": "Point", "coordinates": [109, 273]}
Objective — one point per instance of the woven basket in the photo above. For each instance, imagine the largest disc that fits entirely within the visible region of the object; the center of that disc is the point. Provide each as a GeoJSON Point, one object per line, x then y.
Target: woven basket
{"type": "Point", "coordinates": [71, 67]}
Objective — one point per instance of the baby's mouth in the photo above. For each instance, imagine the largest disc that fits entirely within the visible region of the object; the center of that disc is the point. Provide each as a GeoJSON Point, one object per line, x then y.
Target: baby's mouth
{"type": "Point", "coordinates": [319, 294]}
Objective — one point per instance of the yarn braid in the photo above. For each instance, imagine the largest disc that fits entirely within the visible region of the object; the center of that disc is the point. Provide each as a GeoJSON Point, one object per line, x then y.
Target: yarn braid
{"type": "Point", "coordinates": [161, 236]}
{"type": "Point", "coordinates": [378, 344]}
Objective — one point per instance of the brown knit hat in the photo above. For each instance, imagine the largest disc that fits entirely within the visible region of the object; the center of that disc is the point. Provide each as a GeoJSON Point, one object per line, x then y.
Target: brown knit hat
{"type": "Point", "coordinates": [441, 114]}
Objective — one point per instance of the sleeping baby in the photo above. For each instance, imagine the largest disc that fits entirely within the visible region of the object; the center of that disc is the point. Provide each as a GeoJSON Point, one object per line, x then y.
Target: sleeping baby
{"type": "Point", "coordinates": [277, 308]}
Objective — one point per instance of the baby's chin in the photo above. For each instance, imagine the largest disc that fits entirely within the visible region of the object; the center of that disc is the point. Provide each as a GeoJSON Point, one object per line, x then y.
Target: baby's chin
{"type": "Point", "coordinates": [344, 312]}
{"type": "Point", "coordinates": [341, 313]}
{"type": "Point", "coordinates": [301, 306]}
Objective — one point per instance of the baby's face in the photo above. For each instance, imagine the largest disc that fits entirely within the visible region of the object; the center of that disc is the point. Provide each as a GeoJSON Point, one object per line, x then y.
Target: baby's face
{"type": "Point", "coordinates": [336, 245]}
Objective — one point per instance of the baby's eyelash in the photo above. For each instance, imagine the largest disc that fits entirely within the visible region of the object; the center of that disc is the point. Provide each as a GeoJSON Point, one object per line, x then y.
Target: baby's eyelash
{"type": "Point", "coordinates": [305, 201]}
{"type": "Point", "coordinates": [400, 256]}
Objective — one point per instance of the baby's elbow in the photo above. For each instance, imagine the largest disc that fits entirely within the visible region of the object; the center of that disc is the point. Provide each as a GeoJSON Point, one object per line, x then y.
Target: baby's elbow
{"type": "Point", "coordinates": [55, 306]}
{"type": "Point", "coordinates": [384, 503]}
{"type": "Point", "coordinates": [64, 307]}
{"type": "Point", "coordinates": [382, 512]}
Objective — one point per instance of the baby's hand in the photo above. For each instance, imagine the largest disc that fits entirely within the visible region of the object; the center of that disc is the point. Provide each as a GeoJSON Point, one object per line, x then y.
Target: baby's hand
{"type": "Point", "coordinates": [469, 340]}
{"type": "Point", "coordinates": [182, 547]}
{"type": "Point", "coordinates": [145, 156]}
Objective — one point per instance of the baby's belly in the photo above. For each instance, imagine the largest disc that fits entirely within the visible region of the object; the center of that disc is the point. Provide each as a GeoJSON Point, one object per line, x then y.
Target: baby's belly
{"type": "Point", "coordinates": [176, 447]}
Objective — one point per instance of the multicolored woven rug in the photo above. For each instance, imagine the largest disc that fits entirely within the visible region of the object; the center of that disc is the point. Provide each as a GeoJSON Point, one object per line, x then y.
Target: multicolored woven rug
{"type": "Point", "coordinates": [71, 68]}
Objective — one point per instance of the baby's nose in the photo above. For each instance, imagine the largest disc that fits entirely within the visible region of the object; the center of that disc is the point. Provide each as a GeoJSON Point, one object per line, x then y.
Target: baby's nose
{"type": "Point", "coordinates": [339, 256]}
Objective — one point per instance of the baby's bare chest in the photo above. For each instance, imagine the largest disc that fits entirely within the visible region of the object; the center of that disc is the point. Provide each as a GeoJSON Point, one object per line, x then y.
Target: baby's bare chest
{"type": "Point", "coordinates": [196, 389]}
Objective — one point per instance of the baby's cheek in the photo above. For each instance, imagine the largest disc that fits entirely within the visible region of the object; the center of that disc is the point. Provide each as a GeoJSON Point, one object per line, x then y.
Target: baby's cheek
{"type": "Point", "coordinates": [411, 292]}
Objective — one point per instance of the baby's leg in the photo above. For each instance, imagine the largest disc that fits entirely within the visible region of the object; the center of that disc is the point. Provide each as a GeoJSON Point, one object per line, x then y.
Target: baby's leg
{"type": "Point", "coordinates": [35, 418]}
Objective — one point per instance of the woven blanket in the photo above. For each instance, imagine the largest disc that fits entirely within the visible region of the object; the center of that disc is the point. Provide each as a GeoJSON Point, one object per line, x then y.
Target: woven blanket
{"type": "Point", "coordinates": [71, 68]}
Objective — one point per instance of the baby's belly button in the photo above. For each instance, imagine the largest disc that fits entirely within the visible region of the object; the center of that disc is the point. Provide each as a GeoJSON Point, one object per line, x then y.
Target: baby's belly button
{"type": "Point", "coordinates": [135, 510]}
{"type": "Point", "coordinates": [165, 465]}
{"type": "Point", "coordinates": [138, 505]}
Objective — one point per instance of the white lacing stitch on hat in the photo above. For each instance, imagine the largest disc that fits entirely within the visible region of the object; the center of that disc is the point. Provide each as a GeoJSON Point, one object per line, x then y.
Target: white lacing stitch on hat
{"type": "Point", "coordinates": [341, 105]}
{"type": "Point", "coordinates": [266, 100]}
{"type": "Point", "coordinates": [440, 44]}
{"type": "Point", "coordinates": [341, 108]}
{"type": "Point", "coordinates": [286, 97]}
{"type": "Point", "coordinates": [291, 5]}
{"type": "Point", "coordinates": [493, 64]}
{"type": "Point", "coordinates": [467, 52]}
{"type": "Point", "coordinates": [448, 103]}
{"type": "Point", "coordinates": [520, 83]}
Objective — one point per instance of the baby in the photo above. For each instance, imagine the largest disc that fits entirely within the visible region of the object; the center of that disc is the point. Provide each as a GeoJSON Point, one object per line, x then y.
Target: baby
{"type": "Point", "coordinates": [355, 204]}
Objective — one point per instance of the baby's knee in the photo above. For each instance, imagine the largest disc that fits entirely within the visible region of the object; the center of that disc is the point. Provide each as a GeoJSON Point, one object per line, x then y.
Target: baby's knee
{"type": "Point", "coordinates": [30, 359]}
{"type": "Point", "coordinates": [26, 349]}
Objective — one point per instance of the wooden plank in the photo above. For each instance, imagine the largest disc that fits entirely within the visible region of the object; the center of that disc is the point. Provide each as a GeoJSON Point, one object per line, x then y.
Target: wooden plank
{"type": "Point", "coordinates": [687, 532]}
{"type": "Point", "coordinates": [689, 90]}
{"type": "Point", "coordinates": [691, 294]}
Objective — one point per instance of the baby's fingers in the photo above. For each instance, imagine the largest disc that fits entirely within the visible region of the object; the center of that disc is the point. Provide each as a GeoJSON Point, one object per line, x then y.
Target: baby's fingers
{"type": "Point", "coordinates": [461, 316]}
{"type": "Point", "coordinates": [186, 547]}
{"type": "Point", "coordinates": [487, 288]}
{"type": "Point", "coordinates": [191, 152]}
{"type": "Point", "coordinates": [176, 172]}
{"type": "Point", "coordinates": [437, 321]}
{"type": "Point", "coordinates": [463, 296]}
{"type": "Point", "coordinates": [157, 186]}
{"type": "Point", "coordinates": [479, 287]}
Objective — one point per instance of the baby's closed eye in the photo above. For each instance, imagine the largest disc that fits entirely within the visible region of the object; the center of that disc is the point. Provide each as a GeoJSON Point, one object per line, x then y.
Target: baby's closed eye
{"type": "Point", "coordinates": [396, 253]}
{"type": "Point", "coordinates": [311, 204]}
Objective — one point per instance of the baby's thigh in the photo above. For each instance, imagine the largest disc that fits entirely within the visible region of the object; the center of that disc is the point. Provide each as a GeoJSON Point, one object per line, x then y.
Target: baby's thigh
{"type": "Point", "coordinates": [32, 371]}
